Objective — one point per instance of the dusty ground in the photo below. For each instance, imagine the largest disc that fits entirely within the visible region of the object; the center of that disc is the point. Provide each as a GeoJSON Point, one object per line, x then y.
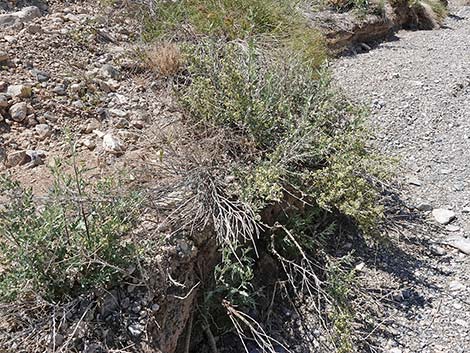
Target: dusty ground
{"type": "Point", "coordinates": [417, 85]}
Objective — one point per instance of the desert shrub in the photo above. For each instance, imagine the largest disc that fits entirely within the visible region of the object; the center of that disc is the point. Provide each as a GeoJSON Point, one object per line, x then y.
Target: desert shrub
{"type": "Point", "coordinates": [164, 59]}
{"type": "Point", "coordinates": [70, 242]}
{"type": "Point", "coordinates": [236, 19]}
{"type": "Point", "coordinates": [306, 136]}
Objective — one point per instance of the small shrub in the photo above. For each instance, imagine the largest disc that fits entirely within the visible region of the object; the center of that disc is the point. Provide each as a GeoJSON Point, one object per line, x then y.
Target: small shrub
{"type": "Point", "coordinates": [307, 136]}
{"type": "Point", "coordinates": [70, 243]}
{"type": "Point", "coordinates": [164, 59]}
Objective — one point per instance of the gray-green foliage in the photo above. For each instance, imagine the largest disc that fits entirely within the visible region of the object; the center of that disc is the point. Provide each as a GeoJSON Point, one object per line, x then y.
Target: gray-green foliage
{"type": "Point", "coordinates": [66, 243]}
{"type": "Point", "coordinates": [296, 131]}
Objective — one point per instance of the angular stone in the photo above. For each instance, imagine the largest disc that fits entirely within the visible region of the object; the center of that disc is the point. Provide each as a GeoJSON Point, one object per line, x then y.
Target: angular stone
{"type": "Point", "coordinates": [112, 144]}
{"type": "Point", "coordinates": [108, 71]}
{"type": "Point", "coordinates": [443, 216]}
{"type": "Point", "coordinates": [16, 158]}
{"type": "Point", "coordinates": [20, 91]}
{"type": "Point", "coordinates": [43, 131]}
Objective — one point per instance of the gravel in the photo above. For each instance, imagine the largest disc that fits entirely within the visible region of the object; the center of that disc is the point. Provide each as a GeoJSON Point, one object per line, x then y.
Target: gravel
{"type": "Point", "coordinates": [418, 88]}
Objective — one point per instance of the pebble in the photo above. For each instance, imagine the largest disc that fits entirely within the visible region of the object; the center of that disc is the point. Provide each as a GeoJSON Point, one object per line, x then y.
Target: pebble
{"type": "Point", "coordinates": [414, 181]}
{"type": "Point", "coordinates": [43, 131]}
{"type": "Point", "coordinates": [461, 322]}
{"type": "Point", "coordinates": [3, 101]}
{"type": "Point", "coordinates": [18, 111]}
{"type": "Point", "coordinates": [59, 90]}
{"type": "Point", "coordinates": [443, 216]}
{"type": "Point", "coordinates": [41, 76]}
{"type": "Point", "coordinates": [89, 143]}
{"type": "Point", "coordinates": [136, 330]}
{"type": "Point", "coordinates": [108, 71]}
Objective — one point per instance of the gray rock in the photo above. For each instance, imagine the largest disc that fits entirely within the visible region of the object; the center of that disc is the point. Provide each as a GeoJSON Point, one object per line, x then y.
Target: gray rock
{"type": "Point", "coordinates": [35, 157]}
{"type": "Point", "coordinates": [18, 111]}
{"type": "Point", "coordinates": [10, 21]}
{"type": "Point", "coordinates": [28, 13]}
{"type": "Point", "coordinates": [424, 207]}
{"type": "Point", "coordinates": [3, 101]}
{"type": "Point", "coordinates": [108, 71]}
{"type": "Point", "coordinates": [16, 20]}
{"type": "Point", "coordinates": [443, 216]}
{"type": "Point", "coordinates": [59, 90]}
{"type": "Point", "coordinates": [41, 76]}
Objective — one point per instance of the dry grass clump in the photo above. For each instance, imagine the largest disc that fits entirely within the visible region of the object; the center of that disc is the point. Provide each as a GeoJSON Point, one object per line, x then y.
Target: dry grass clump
{"type": "Point", "coordinates": [165, 59]}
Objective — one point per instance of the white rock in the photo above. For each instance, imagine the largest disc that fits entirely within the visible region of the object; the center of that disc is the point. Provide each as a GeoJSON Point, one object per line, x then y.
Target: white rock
{"type": "Point", "coordinates": [43, 131]}
{"type": "Point", "coordinates": [20, 91]}
{"type": "Point", "coordinates": [136, 330]}
{"type": "Point", "coordinates": [460, 243]}
{"type": "Point", "coordinates": [359, 267]}
{"type": "Point", "coordinates": [452, 228]}
{"type": "Point", "coordinates": [18, 111]}
{"type": "Point", "coordinates": [443, 216]}
{"type": "Point", "coordinates": [395, 350]}
{"type": "Point", "coordinates": [455, 286]}
{"type": "Point", "coordinates": [112, 144]}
